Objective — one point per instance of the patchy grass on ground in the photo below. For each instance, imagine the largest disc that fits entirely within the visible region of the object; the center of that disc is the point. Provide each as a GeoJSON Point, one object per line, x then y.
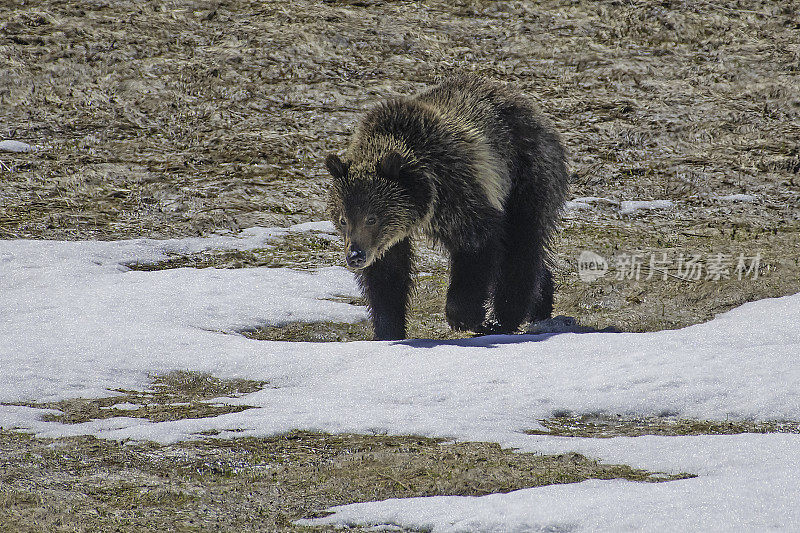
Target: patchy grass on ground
{"type": "Point", "coordinates": [313, 332]}
{"type": "Point", "coordinates": [174, 396]}
{"type": "Point", "coordinates": [86, 484]}
{"type": "Point", "coordinates": [300, 251]}
{"type": "Point", "coordinates": [618, 426]}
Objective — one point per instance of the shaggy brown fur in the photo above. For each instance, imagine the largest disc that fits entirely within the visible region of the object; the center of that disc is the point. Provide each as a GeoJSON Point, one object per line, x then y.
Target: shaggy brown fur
{"type": "Point", "coordinates": [474, 166]}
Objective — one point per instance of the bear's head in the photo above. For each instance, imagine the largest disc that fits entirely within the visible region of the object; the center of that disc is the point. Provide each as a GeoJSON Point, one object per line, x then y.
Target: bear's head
{"type": "Point", "coordinates": [376, 205]}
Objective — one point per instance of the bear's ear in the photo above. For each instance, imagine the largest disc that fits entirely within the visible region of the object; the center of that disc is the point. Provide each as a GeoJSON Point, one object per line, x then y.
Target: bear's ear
{"type": "Point", "coordinates": [391, 165]}
{"type": "Point", "coordinates": [409, 176]}
{"type": "Point", "coordinates": [336, 166]}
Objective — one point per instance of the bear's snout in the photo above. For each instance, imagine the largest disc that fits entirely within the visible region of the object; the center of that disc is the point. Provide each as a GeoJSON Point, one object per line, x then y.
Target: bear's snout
{"type": "Point", "coordinates": [356, 257]}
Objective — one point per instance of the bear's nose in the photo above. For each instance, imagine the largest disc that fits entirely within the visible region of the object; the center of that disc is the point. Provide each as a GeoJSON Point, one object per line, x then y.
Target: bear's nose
{"type": "Point", "coordinates": [356, 257]}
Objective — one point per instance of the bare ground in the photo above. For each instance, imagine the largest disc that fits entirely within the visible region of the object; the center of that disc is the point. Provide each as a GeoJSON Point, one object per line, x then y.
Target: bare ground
{"type": "Point", "coordinates": [166, 119]}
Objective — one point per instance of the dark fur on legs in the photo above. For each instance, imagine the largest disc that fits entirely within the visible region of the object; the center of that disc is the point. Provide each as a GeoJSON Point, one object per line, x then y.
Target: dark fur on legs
{"type": "Point", "coordinates": [387, 285]}
{"type": "Point", "coordinates": [524, 289]}
{"type": "Point", "coordinates": [514, 292]}
{"type": "Point", "coordinates": [471, 274]}
{"type": "Point", "coordinates": [542, 304]}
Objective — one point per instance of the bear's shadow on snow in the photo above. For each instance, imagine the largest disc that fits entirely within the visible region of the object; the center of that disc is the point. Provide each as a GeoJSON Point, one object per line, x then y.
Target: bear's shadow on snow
{"type": "Point", "coordinates": [483, 341]}
{"type": "Point", "coordinates": [539, 332]}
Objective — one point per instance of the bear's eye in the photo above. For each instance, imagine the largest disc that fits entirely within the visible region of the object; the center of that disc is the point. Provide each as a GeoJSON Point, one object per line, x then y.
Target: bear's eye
{"type": "Point", "coordinates": [371, 220]}
{"type": "Point", "coordinates": [342, 221]}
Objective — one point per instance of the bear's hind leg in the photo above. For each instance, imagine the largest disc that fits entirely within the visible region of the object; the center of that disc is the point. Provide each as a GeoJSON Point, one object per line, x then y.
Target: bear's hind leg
{"type": "Point", "coordinates": [386, 284]}
{"type": "Point", "coordinates": [542, 304]}
{"type": "Point", "coordinates": [471, 273]}
{"type": "Point", "coordinates": [515, 292]}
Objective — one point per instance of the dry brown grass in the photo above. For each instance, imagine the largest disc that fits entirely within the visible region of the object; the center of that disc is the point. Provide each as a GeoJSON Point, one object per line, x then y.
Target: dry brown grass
{"type": "Point", "coordinates": [598, 426]}
{"type": "Point", "coordinates": [182, 117]}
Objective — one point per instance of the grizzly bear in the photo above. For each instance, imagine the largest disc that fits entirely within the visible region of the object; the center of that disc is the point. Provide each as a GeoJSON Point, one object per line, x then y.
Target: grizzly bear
{"type": "Point", "coordinates": [472, 165]}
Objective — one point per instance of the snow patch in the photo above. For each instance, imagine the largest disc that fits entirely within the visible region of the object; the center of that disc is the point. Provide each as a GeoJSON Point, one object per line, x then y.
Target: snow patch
{"type": "Point", "coordinates": [125, 406]}
{"type": "Point", "coordinates": [323, 229]}
{"type": "Point", "coordinates": [595, 200]}
{"type": "Point", "coordinates": [572, 205]}
{"type": "Point", "coordinates": [631, 206]}
{"type": "Point", "coordinates": [628, 207]}
{"type": "Point", "coordinates": [319, 226]}
{"type": "Point", "coordinates": [77, 324]}
{"type": "Point", "coordinates": [746, 198]}
{"type": "Point", "coordinates": [15, 146]}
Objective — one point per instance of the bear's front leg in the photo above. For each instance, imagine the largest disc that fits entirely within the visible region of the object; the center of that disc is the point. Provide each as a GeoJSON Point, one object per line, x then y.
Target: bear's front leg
{"type": "Point", "coordinates": [471, 273]}
{"type": "Point", "coordinates": [386, 284]}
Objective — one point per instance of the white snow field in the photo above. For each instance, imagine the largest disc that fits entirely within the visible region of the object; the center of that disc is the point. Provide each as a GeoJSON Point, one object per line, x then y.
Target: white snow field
{"type": "Point", "coordinates": [75, 322]}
